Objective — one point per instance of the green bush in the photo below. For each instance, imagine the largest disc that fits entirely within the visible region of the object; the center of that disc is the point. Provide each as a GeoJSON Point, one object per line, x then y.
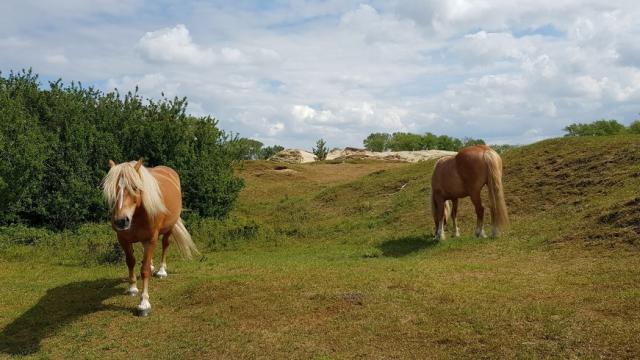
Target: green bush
{"type": "Point", "coordinates": [401, 141]}
{"type": "Point", "coordinates": [596, 128]}
{"type": "Point", "coordinates": [321, 150]}
{"type": "Point", "coordinates": [55, 144]}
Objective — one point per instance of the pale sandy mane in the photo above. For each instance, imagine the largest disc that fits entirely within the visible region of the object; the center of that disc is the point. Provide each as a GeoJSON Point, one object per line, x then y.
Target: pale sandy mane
{"type": "Point", "coordinates": [134, 181]}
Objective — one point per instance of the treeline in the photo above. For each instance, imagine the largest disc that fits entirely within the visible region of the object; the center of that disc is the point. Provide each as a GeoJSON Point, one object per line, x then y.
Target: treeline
{"type": "Point", "coordinates": [401, 141]}
{"type": "Point", "coordinates": [602, 128]}
{"type": "Point", "coordinates": [250, 149]}
{"type": "Point", "coordinates": [55, 144]}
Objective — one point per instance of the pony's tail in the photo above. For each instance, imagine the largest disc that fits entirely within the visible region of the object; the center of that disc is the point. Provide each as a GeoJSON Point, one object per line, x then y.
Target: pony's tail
{"type": "Point", "coordinates": [496, 193]}
{"type": "Point", "coordinates": [183, 240]}
{"type": "Point", "coordinates": [447, 211]}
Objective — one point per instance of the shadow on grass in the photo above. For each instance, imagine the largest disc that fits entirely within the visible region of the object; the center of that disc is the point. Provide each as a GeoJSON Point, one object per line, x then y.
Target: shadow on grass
{"type": "Point", "coordinates": [59, 307]}
{"type": "Point", "coordinates": [407, 245]}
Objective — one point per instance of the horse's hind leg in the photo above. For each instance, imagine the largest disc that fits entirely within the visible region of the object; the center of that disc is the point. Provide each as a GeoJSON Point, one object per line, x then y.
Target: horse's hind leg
{"type": "Point", "coordinates": [131, 263]}
{"type": "Point", "coordinates": [454, 217]}
{"type": "Point", "coordinates": [162, 272]}
{"type": "Point", "coordinates": [477, 203]}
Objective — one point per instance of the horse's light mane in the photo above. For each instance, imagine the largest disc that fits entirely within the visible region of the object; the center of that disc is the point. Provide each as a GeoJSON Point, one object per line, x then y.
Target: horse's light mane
{"type": "Point", "coordinates": [134, 181]}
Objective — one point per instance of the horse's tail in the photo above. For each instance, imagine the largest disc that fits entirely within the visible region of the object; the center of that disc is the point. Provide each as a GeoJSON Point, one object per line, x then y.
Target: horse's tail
{"type": "Point", "coordinates": [447, 211]}
{"type": "Point", "coordinates": [496, 193]}
{"type": "Point", "coordinates": [183, 240]}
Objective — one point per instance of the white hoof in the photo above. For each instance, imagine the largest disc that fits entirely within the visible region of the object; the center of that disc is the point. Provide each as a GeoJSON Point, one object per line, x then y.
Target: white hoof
{"type": "Point", "coordinates": [162, 273]}
{"type": "Point", "coordinates": [144, 308]}
{"type": "Point", "coordinates": [132, 291]}
{"type": "Point", "coordinates": [481, 235]}
{"type": "Point", "coordinates": [457, 233]}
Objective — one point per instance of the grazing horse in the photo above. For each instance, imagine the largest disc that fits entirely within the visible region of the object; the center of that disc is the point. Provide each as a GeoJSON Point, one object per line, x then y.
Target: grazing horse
{"type": "Point", "coordinates": [145, 203]}
{"type": "Point", "coordinates": [462, 175]}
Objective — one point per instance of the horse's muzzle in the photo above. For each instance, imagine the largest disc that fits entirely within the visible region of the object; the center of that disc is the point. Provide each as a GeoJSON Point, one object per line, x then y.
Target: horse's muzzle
{"type": "Point", "coordinates": [122, 224]}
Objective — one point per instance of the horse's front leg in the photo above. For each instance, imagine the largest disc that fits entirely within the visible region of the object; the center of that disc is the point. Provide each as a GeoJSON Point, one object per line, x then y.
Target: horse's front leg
{"type": "Point", "coordinates": [145, 306]}
{"type": "Point", "coordinates": [131, 263]}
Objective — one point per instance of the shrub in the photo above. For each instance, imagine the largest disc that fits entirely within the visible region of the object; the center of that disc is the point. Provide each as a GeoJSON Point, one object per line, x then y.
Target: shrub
{"type": "Point", "coordinates": [596, 128]}
{"type": "Point", "coordinates": [55, 144]}
{"type": "Point", "coordinates": [321, 149]}
{"type": "Point", "coordinates": [377, 142]}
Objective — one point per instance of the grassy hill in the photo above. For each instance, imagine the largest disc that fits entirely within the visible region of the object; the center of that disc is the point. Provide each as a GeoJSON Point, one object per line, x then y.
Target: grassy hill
{"type": "Point", "coordinates": [336, 260]}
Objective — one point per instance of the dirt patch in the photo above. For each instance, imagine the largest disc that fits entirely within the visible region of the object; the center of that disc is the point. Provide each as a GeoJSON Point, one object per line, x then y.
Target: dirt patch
{"type": "Point", "coordinates": [294, 156]}
{"type": "Point", "coordinates": [403, 156]}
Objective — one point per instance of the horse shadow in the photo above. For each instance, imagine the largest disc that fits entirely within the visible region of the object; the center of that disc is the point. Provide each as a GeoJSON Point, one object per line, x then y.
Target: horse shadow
{"type": "Point", "coordinates": [407, 245]}
{"type": "Point", "coordinates": [59, 307]}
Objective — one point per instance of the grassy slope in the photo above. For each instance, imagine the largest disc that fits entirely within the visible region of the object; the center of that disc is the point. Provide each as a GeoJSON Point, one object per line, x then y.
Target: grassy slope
{"type": "Point", "coordinates": [341, 265]}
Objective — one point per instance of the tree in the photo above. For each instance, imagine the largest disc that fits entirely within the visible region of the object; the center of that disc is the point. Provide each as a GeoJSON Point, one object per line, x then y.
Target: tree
{"type": "Point", "coordinates": [467, 141]}
{"type": "Point", "coordinates": [321, 149]}
{"type": "Point", "coordinates": [55, 144]}
{"type": "Point", "coordinates": [634, 127]}
{"type": "Point", "coordinates": [400, 141]}
{"type": "Point", "coordinates": [449, 143]}
{"type": "Point", "coordinates": [429, 141]}
{"type": "Point", "coordinates": [269, 151]}
{"type": "Point", "coordinates": [377, 142]}
{"type": "Point", "coordinates": [596, 128]}
{"type": "Point", "coordinates": [244, 149]}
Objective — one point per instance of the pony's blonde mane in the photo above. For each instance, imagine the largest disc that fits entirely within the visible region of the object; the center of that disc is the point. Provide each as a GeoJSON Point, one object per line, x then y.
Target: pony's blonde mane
{"type": "Point", "coordinates": [134, 181]}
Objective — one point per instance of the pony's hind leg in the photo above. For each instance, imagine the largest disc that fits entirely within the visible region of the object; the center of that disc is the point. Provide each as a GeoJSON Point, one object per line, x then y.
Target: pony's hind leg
{"type": "Point", "coordinates": [477, 203]}
{"type": "Point", "coordinates": [494, 228]}
{"type": "Point", "coordinates": [454, 217]}
{"type": "Point", "coordinates": [162, 272]}
{"type": "Point", "coordinates": [131, 263]}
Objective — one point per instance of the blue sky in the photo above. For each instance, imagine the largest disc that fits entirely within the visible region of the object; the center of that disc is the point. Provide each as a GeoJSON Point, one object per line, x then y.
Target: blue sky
{"type": "Point", "coordinates": [290, 72]}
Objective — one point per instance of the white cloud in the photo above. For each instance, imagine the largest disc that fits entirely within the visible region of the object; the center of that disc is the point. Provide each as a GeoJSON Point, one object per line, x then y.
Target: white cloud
{"type": "Point", "coordinates": [174, 45]}
{"type": "Point", "coordinates": [289, 73]}
{"type": "Point", "coordinates": [57, 59]}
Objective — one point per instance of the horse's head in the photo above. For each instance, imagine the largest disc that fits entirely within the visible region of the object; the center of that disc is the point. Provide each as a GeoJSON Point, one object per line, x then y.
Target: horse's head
{"type": "Point", "coordinates": [123, 191]}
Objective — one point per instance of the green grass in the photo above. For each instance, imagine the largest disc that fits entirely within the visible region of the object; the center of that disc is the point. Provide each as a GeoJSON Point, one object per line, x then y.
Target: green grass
{"type": "Point", "coordinates": [336, 260]}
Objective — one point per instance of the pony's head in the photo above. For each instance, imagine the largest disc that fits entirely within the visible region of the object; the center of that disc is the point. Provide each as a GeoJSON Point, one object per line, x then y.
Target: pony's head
{"type": "Point", "coordinates": [127, 187]}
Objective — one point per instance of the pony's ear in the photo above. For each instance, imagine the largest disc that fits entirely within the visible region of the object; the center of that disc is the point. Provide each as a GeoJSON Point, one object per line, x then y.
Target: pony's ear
{"type": "Point", "coordinates": [138, 164]}
{"type": "Point", "coordinates": [111, 163]}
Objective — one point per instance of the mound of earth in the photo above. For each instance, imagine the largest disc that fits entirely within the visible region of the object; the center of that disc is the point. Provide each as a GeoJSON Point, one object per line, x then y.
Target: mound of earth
{"type": "Point", "coordinates": [294, 156]}
{"type": "Point", "coordinates": [407, 156]}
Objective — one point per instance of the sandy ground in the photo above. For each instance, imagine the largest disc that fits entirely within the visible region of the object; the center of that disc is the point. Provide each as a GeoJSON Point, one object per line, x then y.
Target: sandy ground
{"type": "Point", "coordinates": [408, 156]}
{"type": "Point", "coordinates": [294, 156]}
{"type": "Point", "coordinates": [298, 156]}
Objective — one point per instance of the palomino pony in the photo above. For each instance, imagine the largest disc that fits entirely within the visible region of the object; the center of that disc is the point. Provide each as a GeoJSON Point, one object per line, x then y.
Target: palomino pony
{"type": "Point", "coordinates": [465, 174]}
{"type": "Point", "coordinates": [145, 203]}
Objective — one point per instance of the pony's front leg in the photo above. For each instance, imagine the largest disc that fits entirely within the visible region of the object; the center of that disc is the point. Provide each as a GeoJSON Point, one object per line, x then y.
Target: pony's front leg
{"type": "Point", "coordinates": [145, 306]}
{"type": "Point", "coordinates": [440, 218]}
{"type": "Point", "coordinates": [131, 263]}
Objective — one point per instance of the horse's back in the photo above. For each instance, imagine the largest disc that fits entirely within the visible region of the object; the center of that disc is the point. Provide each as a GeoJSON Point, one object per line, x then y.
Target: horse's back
{"type": "Point", "coordinates": [472, 166]}
{"type": "Point", "coordinates": [169, 183]}
{"type": "Point", "coordinates": [445, 180]}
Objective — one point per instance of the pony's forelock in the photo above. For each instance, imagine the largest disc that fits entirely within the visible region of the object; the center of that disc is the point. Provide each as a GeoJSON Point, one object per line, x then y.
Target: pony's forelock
{"type": "Point", "coordinates": [134, 181]}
